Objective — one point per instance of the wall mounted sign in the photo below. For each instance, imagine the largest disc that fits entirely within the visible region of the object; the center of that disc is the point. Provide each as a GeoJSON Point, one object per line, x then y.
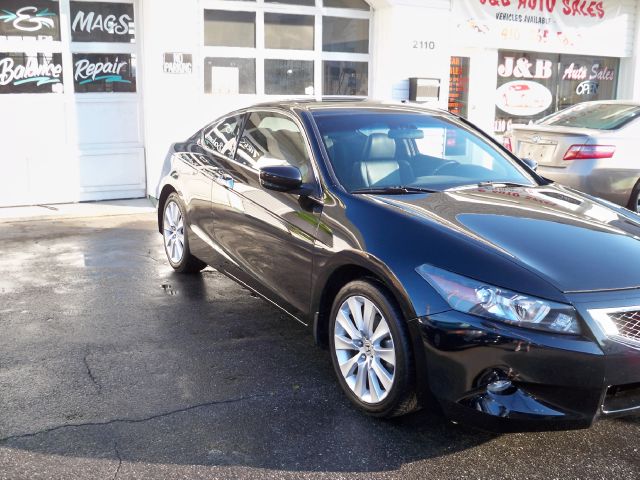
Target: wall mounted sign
{"type": "Point", "coordinates": [30, 18]}
{"type": "Point", "coordinates": [102, 22]}
{"type": "Point", "coordinates": [104, 72]}
{"type": "Point", "coordinates": [22, 73]}
{"type": "Point", "coordinates": [177, 63]}
{"type": "Point", "coordinates": [562, 26]}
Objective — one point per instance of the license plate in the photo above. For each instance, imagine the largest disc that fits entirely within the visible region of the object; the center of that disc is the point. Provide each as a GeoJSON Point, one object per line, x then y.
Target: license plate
{"type": "Point", "coordinates": [534, 151]}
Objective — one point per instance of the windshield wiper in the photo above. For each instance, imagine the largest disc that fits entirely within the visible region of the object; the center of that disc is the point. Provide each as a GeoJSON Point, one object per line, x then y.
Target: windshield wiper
{"type": "Point", "coordinates": [488, 184]}
{"type": "Point", "coordinates": [506, 184]}
{"type": "Point", "coordinates": [395, 189]}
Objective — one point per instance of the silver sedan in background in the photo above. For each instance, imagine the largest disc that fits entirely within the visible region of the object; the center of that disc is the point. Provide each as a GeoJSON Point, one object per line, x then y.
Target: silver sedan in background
{"type": "Point", "coordinates": [593, 147]}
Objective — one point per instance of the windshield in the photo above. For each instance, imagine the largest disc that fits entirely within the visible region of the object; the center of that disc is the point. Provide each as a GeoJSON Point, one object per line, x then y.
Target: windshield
{"type": "Point", "coordinates": [598, 116]}
{"type": "Point", "coordinates": [377, 149]}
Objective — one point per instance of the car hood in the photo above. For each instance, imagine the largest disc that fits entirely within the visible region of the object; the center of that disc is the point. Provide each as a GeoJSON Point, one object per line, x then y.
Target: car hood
{"type": "Point", "coordinates": [575, 242]}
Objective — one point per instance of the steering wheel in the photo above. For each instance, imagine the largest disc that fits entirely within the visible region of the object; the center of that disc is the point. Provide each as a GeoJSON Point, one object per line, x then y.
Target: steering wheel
{"type": "Point", "coordinates": [449, 162]}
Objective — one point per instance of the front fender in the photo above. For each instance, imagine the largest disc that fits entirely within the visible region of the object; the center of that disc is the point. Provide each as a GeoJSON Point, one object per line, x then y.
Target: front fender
{"type": "Point", "coordinates": [413, 294]}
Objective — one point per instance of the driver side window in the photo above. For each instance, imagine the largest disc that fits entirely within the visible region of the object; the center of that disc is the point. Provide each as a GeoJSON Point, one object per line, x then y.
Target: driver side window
{"type": "Point", "coordinates": [273, 139]}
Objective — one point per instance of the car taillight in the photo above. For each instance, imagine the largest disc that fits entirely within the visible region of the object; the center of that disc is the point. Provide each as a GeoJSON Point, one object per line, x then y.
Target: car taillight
{"type": "Point", "coordinates": [589, 152]}
{"type": "Point", "coordinates": [506, 142]}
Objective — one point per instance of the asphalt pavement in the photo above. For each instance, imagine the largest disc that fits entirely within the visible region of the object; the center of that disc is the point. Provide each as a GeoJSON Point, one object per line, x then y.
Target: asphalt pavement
{"type": "Point", "coordinates": [114, 367]}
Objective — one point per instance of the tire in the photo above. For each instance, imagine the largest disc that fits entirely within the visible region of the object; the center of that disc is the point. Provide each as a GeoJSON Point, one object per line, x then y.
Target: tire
{"type": "Point", "coordinates": [634, 200]}
{"type": "Point", "coordinates": [175, 239]}
{"type": "Point", "coordinates": [359, 354]}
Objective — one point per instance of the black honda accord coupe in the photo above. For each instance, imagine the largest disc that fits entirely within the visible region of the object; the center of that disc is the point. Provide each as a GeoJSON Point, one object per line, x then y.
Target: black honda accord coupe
{"type": "Point", "coordinates": [437, 268]}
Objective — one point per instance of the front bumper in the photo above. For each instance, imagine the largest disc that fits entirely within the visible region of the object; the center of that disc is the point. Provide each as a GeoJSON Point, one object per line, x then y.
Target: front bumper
{"type": "Point", "coordinates": [557, 381]}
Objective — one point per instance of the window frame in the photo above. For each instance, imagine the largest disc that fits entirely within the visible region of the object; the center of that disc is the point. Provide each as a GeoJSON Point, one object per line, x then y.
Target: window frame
{"type": "Point", "coordinates": [243, 118]}
{"type": "Point", "coordinates": [316, 183]}
{"type": "Point", "coordinates": [260, 53]}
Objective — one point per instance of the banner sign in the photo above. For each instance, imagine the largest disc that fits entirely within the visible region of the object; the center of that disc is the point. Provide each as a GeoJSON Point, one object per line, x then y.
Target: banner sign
{"type": "Point", "coordinates": [177, 63]}
{"type": "Point", "coordinates": [102, 22]}
{"type": "Point", "coordinates": [104, 72]}
{"type": "Point", "coordinates": [30, 18]}
{"type": "Point", "coordinates": [562, 26]}
{"type": "Point", "coordinates": [38, 73]}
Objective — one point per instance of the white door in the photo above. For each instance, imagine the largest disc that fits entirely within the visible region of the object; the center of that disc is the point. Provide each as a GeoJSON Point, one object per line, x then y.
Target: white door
{"type": "Point", "coordinates": [104, 48]}
{"type": "Point", "coordinates": [70, 106]}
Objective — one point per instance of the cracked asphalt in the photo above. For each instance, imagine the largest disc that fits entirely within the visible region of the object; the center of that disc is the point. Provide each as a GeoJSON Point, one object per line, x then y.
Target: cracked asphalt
{"type": "Point", "coordinates": [112, 366]}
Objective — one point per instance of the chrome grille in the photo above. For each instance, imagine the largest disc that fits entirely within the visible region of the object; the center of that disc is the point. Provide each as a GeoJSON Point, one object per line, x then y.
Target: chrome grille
{"type": "Point", "coordinates": [628, 323]}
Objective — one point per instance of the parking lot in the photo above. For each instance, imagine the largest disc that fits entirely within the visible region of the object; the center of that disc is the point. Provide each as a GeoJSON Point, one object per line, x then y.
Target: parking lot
{"type": "Point", "coordinates": [112, 366]}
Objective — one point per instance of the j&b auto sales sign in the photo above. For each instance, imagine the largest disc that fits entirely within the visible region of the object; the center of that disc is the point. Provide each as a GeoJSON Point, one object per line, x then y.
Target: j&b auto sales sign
{"type": "Point", "coordinates": [564, 26]}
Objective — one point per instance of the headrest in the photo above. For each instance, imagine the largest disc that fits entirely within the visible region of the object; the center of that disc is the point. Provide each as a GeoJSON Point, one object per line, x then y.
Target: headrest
{"type": "Point", "coordinates": [379, 147]}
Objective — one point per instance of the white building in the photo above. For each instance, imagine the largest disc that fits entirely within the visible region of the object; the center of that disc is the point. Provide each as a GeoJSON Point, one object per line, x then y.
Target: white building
{"type": "Point", "coordinates": [92, 93]}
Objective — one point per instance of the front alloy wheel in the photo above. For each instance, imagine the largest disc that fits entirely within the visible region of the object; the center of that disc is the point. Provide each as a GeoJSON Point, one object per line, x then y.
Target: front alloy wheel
{"type": "Point", "coordinates": [364, 349]}
{"type": "Point", "coordinates": [370, 350]}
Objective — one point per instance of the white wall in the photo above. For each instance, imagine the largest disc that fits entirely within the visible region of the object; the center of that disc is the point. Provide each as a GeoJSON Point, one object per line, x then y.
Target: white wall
{"type": "Point", "coordinates": [409, 42]}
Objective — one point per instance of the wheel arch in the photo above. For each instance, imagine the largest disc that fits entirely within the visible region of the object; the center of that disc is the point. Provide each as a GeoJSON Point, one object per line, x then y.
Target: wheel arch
{"type": "Point", "coordinates": [350, 268]}
{"type": "Point", "coordinates": [164, 194]}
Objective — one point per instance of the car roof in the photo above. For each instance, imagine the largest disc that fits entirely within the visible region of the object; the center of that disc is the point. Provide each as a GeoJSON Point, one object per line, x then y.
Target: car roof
{"type": "Point", "coordinates": [610, 102]}
{"type": "Point", "coordinates": [347, 104]}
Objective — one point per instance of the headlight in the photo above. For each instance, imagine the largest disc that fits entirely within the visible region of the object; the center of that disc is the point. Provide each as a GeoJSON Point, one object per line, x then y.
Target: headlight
{"type": "Point", "coordinates": [477, 298]}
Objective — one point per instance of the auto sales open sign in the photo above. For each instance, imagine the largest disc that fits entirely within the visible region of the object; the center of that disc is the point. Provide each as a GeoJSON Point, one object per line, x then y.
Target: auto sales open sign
{"type": "Point", "coordinates": [591, 27]}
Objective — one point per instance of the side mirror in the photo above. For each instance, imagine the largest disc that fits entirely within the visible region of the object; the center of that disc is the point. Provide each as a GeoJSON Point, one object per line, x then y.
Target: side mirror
{"type": "Point", "coordinates": [532, 164]}
{"type": "Point", "coordinates": [281, 178]}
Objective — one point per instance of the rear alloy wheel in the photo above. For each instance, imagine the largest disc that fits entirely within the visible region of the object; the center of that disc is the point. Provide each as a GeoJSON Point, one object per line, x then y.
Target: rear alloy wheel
{"type": "Point", "coordinates": [634, 201]}
{"type": "Point", "coordinates": [370, 350]}
{"type": "Point", "coordinates": [176, 243]}
{"type": "Point", "coordinates": [173, 232]}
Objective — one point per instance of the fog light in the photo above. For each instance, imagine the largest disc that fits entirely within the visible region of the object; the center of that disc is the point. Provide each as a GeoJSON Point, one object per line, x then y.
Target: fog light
{"type": "Point", "coordinates": [499, 386]}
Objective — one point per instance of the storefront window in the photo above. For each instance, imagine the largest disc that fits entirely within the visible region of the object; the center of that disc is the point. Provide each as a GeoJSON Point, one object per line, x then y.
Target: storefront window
{"type": "Point", "coordinates": [459, 86]}
{"type": "Point", "coordinates": [229, 76]}
{"type": "Point", "coordinates": [224, 28]}
{"type": "Point", "coordinates": [341, 34]}
{"type": "Point", "coordinates": [102, 22]}
{"type": "Point", "coordinates": [30, 18]}
{"type": "Point", "coordinates": [288, 31]}
{"type": "Point", "coordinates": [305, 3]}
{"type": "Point", "coordinates": [288, 77]}
{"type": "Point", "coordinates": [104, 72]}
{"type": "Point", "coordinates": [355, 4]}
{"type": "Point", "coordinates": [30, 73]}
{"type": "Point", "coordinates": [533, 85]}
{"type": "Point", "coordinates": [345, 78]}
{"type": "Point", "coordinates": [583, 79]}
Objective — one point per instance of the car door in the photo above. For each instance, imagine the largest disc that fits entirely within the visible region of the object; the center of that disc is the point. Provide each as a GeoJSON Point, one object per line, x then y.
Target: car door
{"type": "Point", "coordinates": [204, 157]}
{"type": "Point", "coordinates": [268, 236]}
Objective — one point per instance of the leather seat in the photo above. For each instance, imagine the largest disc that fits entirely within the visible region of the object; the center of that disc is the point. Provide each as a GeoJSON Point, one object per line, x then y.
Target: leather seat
{"type": "Point", "coordinates": [379, 166]}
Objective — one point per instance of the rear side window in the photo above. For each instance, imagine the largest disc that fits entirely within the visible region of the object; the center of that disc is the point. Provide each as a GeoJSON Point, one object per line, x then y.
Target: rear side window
{"type": "Point", "coordinates": [222, 136]}
{"type": "Point", "coordinates": [273, 139]}
{"type": "Point", "coordinates": [597, 116]}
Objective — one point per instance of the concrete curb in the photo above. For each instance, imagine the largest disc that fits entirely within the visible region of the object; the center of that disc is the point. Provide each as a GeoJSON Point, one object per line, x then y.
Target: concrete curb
{"type": "Point", "coordinates": [76, 210]}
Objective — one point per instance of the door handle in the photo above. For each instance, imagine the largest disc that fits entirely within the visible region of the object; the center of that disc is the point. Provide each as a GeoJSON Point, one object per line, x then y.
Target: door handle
{"type": "Point", "coordinates": [225, 180]}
